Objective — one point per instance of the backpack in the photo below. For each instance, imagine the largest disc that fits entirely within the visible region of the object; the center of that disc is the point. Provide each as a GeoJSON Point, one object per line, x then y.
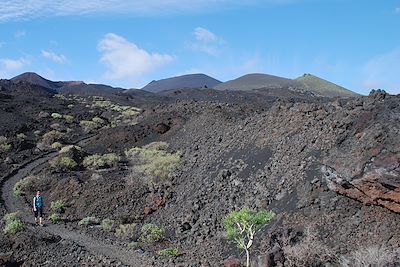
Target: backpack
{"type": "Point", "coordinates": [39, 202]}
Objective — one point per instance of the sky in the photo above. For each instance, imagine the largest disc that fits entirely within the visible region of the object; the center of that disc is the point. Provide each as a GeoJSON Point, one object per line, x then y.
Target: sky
{"type": "Point", "coordinates": [353, 43]}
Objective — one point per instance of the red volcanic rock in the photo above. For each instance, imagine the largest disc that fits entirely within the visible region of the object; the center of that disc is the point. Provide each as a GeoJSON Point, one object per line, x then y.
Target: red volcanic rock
{"type": "Point", "coordinates": [367, 167]}
{"type": "Point", "coordinates": [232, 263]}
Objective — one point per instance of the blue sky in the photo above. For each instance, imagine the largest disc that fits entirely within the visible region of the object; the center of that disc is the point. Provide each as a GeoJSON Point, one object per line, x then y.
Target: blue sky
{"type": "Point", "coordinates": [354, 43]}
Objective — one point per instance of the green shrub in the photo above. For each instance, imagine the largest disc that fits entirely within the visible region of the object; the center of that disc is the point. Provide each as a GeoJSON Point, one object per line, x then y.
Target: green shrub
{"type": "Point", "coordinates": [151, 233]}
{"type": "Point", "coordinates": [60, 96]}
{"type": "Point", "coordinates": [107, 225]}
{"type": "Point", "coordinates": [126, 230]}
{"type": "Point", "coordinates": [98, 120]}
{"type": "Point", "coordinates": [58, 206]}
{"type": "Point", "coordinates": [89, 221]}
{"type": "Point", "coordinates": [21, 136]}
{"type": "Point", "coordinates": [173, 252]}
{"type": "Point", "coordinates": [89, 125]}
{"type": "Point", "coordinates": [56, 145]}
{"type": "Point", "coordinates": [54, 218]}
{"type": "Point", "coordinates": [13, 224]}
{"type": "Point", "coordinates": [69, 118]}
{"type": "Point", "coordinates": [101, 161]}
{"type": "Point", "coordinates": [49, 138]}
{"type": "Point", "coordinates": [130, 113]}
{"type": "Point", "coordinates": [63, 163]}
{"type": "Point", "coordinates": [56, 116]}
{"type": "Point", "coordinates": [157, 146]}
{"type": "Point", "coordinates": [69, 149]}
{"type": "Point", "coordinates": [10, 217]}
{"type": "Point", "coordinates": [21, 185]}
{"type": "Point", "coordinates": [3, 140]}
{"type": "Point", "coordinates": [102, 104]}
{"type": "Point", "coordinates": [241, 227]}
{"type": "Point", "coordinates": [154, 163]}
{"type": "Point", "coordinates": [53, 135]}
{"type": "Point", "coordinates": [133, 245]}
{"type": "Point", "coordinates": [4, 148]}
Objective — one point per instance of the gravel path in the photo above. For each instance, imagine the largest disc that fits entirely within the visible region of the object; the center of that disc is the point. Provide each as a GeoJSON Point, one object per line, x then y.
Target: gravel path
{"type": "Point", "coordinates": [92, 245]}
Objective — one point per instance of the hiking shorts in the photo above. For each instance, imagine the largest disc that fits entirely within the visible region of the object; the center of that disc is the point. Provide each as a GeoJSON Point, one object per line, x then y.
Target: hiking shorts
{"type": "Point", "coordinates": [38, 212]}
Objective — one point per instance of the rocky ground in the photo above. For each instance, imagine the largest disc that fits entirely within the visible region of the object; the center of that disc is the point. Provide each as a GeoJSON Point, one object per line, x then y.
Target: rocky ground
{"type": "Point", "coordinates": [329, 169]}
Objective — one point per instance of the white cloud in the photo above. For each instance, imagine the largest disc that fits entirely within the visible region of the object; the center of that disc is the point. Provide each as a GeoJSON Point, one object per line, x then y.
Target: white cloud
{"type": "Point", "coordinates": [28, 9]}
{"type": "Point", "coordinates": [61, 59]}
{"type": "Point", "coordinates": [204, 35]}
{"type": "Point", "coordinates": [14, 64]}
{"type": "Point", "coordinates": [206, 42]}
{"type": "Point", "coordinates": [383, 72]}
{"type": "Point", "coordinates": [126, 60]}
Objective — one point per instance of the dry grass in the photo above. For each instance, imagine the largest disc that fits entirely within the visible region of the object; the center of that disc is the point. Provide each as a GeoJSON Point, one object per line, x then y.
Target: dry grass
{"type": "Point", "coordinates": [309, 252]}
{"type": "Point", "coordinates": [374, 256]}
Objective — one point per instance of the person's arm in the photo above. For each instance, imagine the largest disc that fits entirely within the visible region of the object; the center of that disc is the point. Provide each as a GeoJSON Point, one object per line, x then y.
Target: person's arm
{"type": "Point", "coordinates": [33, 204]}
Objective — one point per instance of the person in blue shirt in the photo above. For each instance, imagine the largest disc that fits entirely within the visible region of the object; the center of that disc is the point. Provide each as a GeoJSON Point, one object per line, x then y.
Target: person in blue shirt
{"type": "Point", "coordinates": [37, 206]}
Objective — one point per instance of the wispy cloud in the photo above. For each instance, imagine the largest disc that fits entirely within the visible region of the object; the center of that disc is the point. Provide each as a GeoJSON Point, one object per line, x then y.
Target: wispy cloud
{"type": "Point", "coordinates": [206, 42]}
{"type": "Point", "coordinates": [14, 64]}
{"type": "Point", "coordinates": [125, 59]}
{"type": "Point", "coordinates": [204, 35]}
{"type": "Point", "coordinates": [382, 72]}
{"type": "Point", "coordinates": [28, 9]}
{"type": "Point", "coordinates": [61, 59]}
{"type": "Point", "coordinates": [397, 10]}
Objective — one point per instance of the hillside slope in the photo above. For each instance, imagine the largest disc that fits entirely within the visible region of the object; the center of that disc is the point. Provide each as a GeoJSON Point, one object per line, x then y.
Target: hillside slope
{"type": "Point", "coordinates": [181, 82]}
{"type": "Point", "coordinates": [323, 87]}
{"type": "Point", "coordinates": [34, 78]}
{"type": "Point", "coordinates": [257, 81]}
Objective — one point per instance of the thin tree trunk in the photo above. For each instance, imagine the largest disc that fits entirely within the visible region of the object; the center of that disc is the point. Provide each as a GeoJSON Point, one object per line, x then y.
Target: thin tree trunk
{"type": "Point", "coordinates": [248, 258]}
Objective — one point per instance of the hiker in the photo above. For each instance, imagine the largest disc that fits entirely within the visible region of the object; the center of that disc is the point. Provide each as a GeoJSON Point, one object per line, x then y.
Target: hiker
{"type": "Point", "coordinates": [37, 207]}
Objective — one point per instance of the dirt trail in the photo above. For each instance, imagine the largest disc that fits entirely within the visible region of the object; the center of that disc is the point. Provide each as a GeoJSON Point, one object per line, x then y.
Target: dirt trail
{"type": "Point", "coordinates": [95, 246]}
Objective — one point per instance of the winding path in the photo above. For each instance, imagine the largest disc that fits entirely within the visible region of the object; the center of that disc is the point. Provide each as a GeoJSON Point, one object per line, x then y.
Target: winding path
{"type": "Point", "coordinates": [91, 244]}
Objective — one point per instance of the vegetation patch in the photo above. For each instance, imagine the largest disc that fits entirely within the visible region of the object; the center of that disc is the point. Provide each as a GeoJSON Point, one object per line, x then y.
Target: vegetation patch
{"type": "Point", "coordinates": [171, 252]}
{"type": "Point", "coordinates": [154, 162]}
{"type": "Point", "coordinates": [56, 116]}
{"type": "Point", "coordinates": [89, 125]}
{"type": "Point", "coordinates": [63, 163]}
{"type": "Point", "coordinates": [242, 226]}
{"type": "Point", "coordinates": [58, 206]}
{"type": "Point", "coordinates": [54, 218]}
{"type": "Point", "coordinates": [126, 230]}
{"type": "Point", "coordinates": [101, 161]}
{"type": "Point", "coordinates": [21, 136]}
{"type": "Point", "coordinates": [13, 224]}
{"type": "Point", "coordinates": [20, 186]}
{"type": "Point", "coordinates": [151, 233]}
{"type": "Point", "coordinates": [89, 221]}
{"type": "Point", "coordinates": [49, 138]}
{"type": "Point", "coordinates": [56, 145]}
{"type": "Point", "coordinates": [107, 225]}
{"type": "Point", "coordinates": [4, 148]}
{"type": "Point", "coordinates": [133, 245]}
{"type": "Point", "coordinates": [68, 118]}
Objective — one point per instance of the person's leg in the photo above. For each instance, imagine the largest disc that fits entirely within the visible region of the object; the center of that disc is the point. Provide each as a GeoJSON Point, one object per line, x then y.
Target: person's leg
{"type": "Point", "coordinates": [36, 216]}
{"type": "Point", "coordinates": [40, 217]}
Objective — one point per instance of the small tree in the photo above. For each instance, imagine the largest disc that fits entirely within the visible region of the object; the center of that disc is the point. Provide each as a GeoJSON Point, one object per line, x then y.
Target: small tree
{"type": "Point", "coordinates": [241, 227]}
